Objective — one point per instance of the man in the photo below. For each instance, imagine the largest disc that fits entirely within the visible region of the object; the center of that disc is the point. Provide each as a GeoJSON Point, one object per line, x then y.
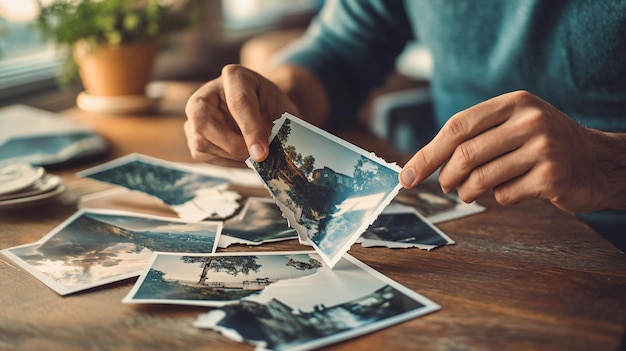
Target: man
{"type": "Point", "coordinates": [530, 95]}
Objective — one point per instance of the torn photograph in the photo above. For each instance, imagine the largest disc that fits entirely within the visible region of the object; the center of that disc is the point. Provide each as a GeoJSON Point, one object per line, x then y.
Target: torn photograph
{"type": "Point", "coordinates": [194, 196]}
{"type": "Point", "coordinates": [400, 226]}
{"type": "Point", "coordinates": [93, 248]}
{"type": "Point", "coordinates": [259, 221]}
{"type": "Point", "coordinates": [214, 280]}
{"type": "Point", "coordinates": [329, 190]}
{"type": "Point", "coordinates": [329, 306]}
{"type": "Point", "coordinates": [434, 204]}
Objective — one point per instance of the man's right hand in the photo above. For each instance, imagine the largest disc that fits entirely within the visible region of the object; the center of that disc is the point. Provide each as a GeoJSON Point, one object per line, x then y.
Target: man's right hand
{"type": "Point", "coordinates": [231, 117]}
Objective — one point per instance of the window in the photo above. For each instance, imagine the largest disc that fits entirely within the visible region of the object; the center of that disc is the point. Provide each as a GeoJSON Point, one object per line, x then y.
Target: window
{"type": "Point", "coordinates": [26, 62]}
{"type": "Point", "coordinates": [246, 14]}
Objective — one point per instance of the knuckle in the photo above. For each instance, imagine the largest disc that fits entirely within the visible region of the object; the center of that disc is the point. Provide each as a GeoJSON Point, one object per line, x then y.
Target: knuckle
{"type": "Point", "coordinates": [237, 99]}
{"type": "Point", "coordinates": [544, 147]}
{"type": "Point", "coordinates": [479, 179]}
{"type": "Point", "coordinates": [478, 182]}
{"type": "Point", "coordinates": [467, 152]}
{"type": "Point", "coordinates": [422, 159]}
{"type": "Point", "coordinates": [456, 127]}
{"type": "Point", "coordinates": [194, 109]}
{"type": "Point", "coordinates": [464, 195]}
{"type": "Point", "coordinates": [535, 120]}
{"type": "Point", "coordinates": [521, 97]}
{"type": "Point", "coordinates": [504, 196]}
{"type": "Point", "coordinates": [231, 69]}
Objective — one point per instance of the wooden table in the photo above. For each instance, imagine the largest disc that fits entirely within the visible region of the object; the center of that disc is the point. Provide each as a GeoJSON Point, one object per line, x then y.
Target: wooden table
{"type": "Point", "coordinates": [528, 277]}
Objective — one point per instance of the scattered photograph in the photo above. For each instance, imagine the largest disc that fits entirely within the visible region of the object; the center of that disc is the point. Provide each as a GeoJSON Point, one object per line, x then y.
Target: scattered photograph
{"type": "Point", "coordinates": [402, 226]}
{"type": "Point", "coordinates": [329, 190]}
{"type": "Point", "coordinates": [51, 150]}
{"type": "Point", "coordinates": [214, 280]}
{"type": "Point", "coordinates": [260, 221]}
{"type": "Point", "coordinates": [434, 204]}
{"type": "Point", "coordinates": [43, 138]}
{"type": "Point", "coordinates": [93, 248]}
{"type": "Point", "coordinates": [319, 309]}
{"type": "Point", "coordinates": [193, 195]}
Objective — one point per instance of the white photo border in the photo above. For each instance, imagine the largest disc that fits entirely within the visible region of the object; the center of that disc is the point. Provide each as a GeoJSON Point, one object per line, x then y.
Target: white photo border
{"type": "Point", "coordinates": [63, 289]}
{"type": "Point", "coordinates": [288, 213]}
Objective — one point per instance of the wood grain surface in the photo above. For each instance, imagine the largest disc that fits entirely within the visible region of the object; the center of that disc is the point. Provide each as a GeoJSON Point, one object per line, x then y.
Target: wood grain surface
{"type": "Point", "coordinates": [527, 277]}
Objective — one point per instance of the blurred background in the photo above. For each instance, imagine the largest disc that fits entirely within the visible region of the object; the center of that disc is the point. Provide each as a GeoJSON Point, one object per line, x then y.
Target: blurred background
{"type": "Point", "coordinates": [248, 32]}
{"type": "Point", "coordinates": [29, 64]}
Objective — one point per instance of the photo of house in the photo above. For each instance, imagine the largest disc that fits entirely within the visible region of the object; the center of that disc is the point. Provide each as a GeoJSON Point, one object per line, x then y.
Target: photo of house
{"type": "Point", "coordinates": [328, 189]}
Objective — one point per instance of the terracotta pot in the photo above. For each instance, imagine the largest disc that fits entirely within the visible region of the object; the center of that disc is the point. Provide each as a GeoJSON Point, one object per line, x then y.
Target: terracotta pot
{"type": "Point", "coordinates": [115, 70]}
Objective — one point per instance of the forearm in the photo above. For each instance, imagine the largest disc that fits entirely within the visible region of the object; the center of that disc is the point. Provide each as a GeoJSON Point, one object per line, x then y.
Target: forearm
{"type": "Point", "coordinates": [304, 90]}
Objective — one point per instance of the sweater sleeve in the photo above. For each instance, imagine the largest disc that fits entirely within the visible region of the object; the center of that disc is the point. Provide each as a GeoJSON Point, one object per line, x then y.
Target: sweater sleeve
{"type": "Point", "coordinates": [351, 46]}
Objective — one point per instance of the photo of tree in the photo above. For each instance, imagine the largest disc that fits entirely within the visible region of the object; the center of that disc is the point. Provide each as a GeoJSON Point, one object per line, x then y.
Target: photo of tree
{"type": "Point", "coordinates": [173, 185]}
{"type": "Point", "coordinates": [93, 248]}
{"type": "Point", "coordinates": [193, 195]}
{"type": "Point", "coordinates": [260, 221]}
{"type": "Point", "coordinates": [330, 189]}
{"type": "Point", "coordinates": [213, 280]}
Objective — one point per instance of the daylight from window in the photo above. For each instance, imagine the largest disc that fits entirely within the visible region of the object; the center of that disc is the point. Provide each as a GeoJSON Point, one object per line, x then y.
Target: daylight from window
{"type": "Point", "coordinates": [24, 57]}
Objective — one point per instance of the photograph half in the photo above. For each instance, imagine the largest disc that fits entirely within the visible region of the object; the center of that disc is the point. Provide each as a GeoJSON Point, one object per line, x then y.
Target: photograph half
{"type": "Point", "coordinates": [94, 248]}
{"type": "Point", "coordinates": [217, 279]}
{"type": "Point", "coordinates": [329, 190]}
{"type": "Point", "coordinates": [331, 306]}
{"type": "Point", "coordinates": [193, 195]}
{"type": "Point", "coordinates": [260, 221]}
{"type": "Point", "coordinates": [402, 226]}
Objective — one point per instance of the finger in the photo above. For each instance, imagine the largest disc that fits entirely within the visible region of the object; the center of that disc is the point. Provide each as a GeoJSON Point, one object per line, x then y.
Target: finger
{"type": "Point", "coordinates": [494, 173]}
{"type": "Point", "coordinates": [243, 104]}
{"type": "Point", "coordinates": [548, 180]}
{"type": "Point", "coordinates": [461, 127]}
{"type": "Point", "coordinates": [480, 149]}
{"type": "Point", "coordinates": [203, 150]}
{"type": "Point", "coordinates": [209, 119]}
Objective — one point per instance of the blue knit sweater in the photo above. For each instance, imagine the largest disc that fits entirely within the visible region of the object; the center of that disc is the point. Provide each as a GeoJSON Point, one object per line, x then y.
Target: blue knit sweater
{"type": "Point", "coordinates": [570, 53]}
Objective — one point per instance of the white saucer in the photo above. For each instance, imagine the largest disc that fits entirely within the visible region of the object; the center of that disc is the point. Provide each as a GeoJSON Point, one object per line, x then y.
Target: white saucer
{"type": "Point", "coordinates": [124, 104]}
{"type": "Point", "coordinates": [17, 176]}
{"type": "Point", "coordinates": [32, 200]}
{"type": "Point", "coordinates": [44, 185]}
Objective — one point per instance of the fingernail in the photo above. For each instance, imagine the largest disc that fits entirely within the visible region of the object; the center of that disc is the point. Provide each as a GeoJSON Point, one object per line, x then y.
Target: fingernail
{"type": "Point", "coordinates": [257, 152]}
{"type": "Point", "coordinates": [407, 177]}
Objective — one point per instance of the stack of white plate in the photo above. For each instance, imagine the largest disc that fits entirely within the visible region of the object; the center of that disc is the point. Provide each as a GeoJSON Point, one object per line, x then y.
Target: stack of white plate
{"type": "Point", "coordinates": [23, 185]}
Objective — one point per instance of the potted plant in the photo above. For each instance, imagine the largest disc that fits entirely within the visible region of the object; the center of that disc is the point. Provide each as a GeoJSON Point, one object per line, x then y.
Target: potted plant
{"type": "Point", "coordinates": [112, 44]}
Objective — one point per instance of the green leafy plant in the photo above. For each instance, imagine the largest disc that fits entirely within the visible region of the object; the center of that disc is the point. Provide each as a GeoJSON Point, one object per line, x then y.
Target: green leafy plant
{"type": "Point", "coordinates": [112, 22]}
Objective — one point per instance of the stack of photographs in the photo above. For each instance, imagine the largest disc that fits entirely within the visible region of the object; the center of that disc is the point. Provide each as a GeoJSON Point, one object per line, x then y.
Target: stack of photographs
{"type": "Point", "coordinates": [23, 185]}
{"type": "Point", "coordinates": [43, 138]}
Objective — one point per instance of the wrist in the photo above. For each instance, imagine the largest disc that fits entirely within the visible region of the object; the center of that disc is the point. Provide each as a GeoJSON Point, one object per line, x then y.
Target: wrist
{"type": "Point", "coordinates": [304, 91]}
{"type": "Point", "coordinates": [611, 156]}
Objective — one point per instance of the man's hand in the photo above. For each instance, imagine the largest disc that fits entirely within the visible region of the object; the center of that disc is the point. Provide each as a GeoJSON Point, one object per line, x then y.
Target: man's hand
{"type": "Point", "coordinates": [231, 117]}
{"type": "Point", "coordinates": [521, 147]}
